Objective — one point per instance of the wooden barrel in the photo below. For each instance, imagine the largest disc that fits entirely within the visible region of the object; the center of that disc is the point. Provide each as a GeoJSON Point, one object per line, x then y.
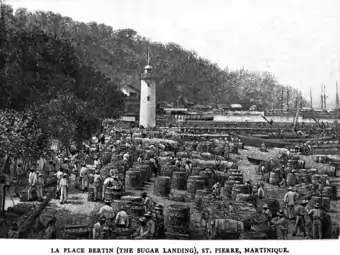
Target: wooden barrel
{"type": "Point", "coordinates": [177, 218]}
{"type": "Point", "coordinates": [117, 204]}
{"type": "Point", "coordinates": [106, 157]}
{"type": "Point", "coordinates": [132, 179]}
{"type": "Point", "coordinates": [300, 164]}
{"type": "Point", "coordinates": [136, 210]}
{"type": "Point", "coordinates": [90, 194]}
{"type": "Point", "coordinates": [226, 191]}
{"type": "Point", "coordinates": [162, 186]}
{"type": "Point", "coordinates": [253, 236]}
{"type": "Point", "coordinates": [306, 178]}
{"type": "Point", "coordinates": [326, 203]}
{"type": "Point", "coordinates": [108, 194]}
{"type": "Point", "coordinates": [316, 178]}
{"type": "Point", "coordinates": [204, 176]}
{"type": "Point", "coordinates": [223, 227]}
{"type": "Point", "coordinates": [198, 198]}
{"type": "Point", "coordinates": [194, 183]}
{"type": "Point", "coordinates": [117, 193]}
{"type": "Point", "coordinates": [179, 180]}
{"type": "Point", "coordinates": [148, 171]}
{"type": "Point", "coordinates": [143, 175]}
{"type": "Point", "coordinates": [291, 179]}
{"type": "Point", "coordinates": [274, 178]}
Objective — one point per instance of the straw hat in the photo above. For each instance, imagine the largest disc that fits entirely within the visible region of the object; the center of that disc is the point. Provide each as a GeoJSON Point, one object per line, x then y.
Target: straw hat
{"type": "Point", "coordinates": [148, 214]}
{"type": "Point", "coordinates": [304, 202]}
{"type": "Point", "coordinates": [290, 188]}
{"type": "Point", "coordinates": [142, 220]}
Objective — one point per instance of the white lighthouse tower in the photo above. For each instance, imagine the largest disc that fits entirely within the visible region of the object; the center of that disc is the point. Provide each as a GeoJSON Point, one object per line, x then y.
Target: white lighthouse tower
{"type": "Point", "coordinates": [147, 112]}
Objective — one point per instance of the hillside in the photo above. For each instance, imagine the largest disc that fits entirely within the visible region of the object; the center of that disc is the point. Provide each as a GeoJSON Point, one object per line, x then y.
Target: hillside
{"type": "Point", "coordinates": [121, 54]}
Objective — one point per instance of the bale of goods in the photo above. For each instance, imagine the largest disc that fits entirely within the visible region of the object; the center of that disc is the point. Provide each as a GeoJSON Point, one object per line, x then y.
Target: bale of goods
{"type": "Point", "coordinates": [327, 192]}
{"type": "Point", "coordinates": [316, 178]}
{"type": "Point", "coordinates": [196, 156]}
{"type": "Point", "coordinates": [222, 228]}
{"type": "Point", "coordinates": [239, 189]}
{"type": "Point", "coordinates": [177, 195]}
{"type": "Point", "coordinates": [182, 154]}
{"type": "Point", "coordinates": [207, 156]}
{"type": "Point", "coordinates": [253, 236]}
{"type": "Point", "coordinates": [168, 170]}
{"type": "Point", "coordinates": [177, 218]}
{"type": "Point", "coordinates": [179, 180]}
{"type": "Point", "coordinates": [166, 154]}
{"type": "Point", "coordinates": [246, 198]}
{"type": "Point", "coordinates": [221, 177]}
{"type": "Point", "coordinates": [291, 179]}
{"type": "Point", "coordinates": [117, 204]}
{"type": "Point", "coordinates": [132, 180]}
{"type": "Point", "coordinates": [274, 178]}
{"type": "Point", "coordinates": [162, 186]}
{"type": "Point", "coordinates": [196, 171]}
{"type": "Point", "coordinates": [90, 194]}
{"type": "Point", "coordinates": [194, 183]}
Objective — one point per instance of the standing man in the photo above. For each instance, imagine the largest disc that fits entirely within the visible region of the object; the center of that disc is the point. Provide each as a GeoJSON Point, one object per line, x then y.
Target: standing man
{"type": "Point", "coordinates": [63, 189]}
{"type": "Point", "coordinates": [282, 225]}
{"type": "Point", "coordinates": [98, 184]}
{"type": "Point", "coordinates": [317, 213]}
{"type": "Point", "coordinates": [40, 186]}
{"type": "Point", "coordinates": [147, 201]}
{"type": "Point", "coordinates": [289, 200]}
{"type": "Point", "coordinates": [266, 211]}
{"type": "Point", "coordinates": [300, 211]}
{"type": "Point", "coordinates": [84, 177]}
{"type": "Point", "coordinates": [32, 181]}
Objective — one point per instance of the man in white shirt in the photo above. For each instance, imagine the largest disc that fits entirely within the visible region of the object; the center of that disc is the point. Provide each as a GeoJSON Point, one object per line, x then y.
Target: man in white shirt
{"type": "Point", "coordinates": [98, 182]}
{"type": "Point", "coordinates": [122, 218]}
{"type": "Point", "coordinates": [290, 199]}
{"type": "Point", "coordinates": [63, 189]}
{"type": "Point", "coordinates": [84, 176]}
{"type": "Point", "coordinates": [96, 161]}
{"type": "Point", "coordinates": [107, 211]}
{"type": "Point", "coordinates": [40, 186]}
{"type": "Point", "coordinates": [32, 181]}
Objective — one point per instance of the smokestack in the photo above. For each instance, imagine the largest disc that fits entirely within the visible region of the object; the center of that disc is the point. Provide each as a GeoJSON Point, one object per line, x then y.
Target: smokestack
{"type": "Point", "coordinates": [321, 98]}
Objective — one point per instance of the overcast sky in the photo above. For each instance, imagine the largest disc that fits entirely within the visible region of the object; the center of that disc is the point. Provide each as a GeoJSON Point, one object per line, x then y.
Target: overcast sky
{"type": "Point", "coordinates": [297, 40]}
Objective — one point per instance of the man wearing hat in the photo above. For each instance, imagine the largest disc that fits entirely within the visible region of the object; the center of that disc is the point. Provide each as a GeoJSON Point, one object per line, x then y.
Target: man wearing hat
{"type": "Point", "coordinates": [147, 201]}
{"type": "Point", "coordinates": [122, 218]}
{"type": "Point", "coordinates": [249, 187]}
{"type": "Point", "coordinates": [216, 189]}
{"type": "Point", "coordinates": [97, 185]}
{"type": "Point", "coordinates": [151, 224]}
{"type": "Point", "coordinates": [96, 161]}
{"type": "Point", "coordinates": [63, 189]}
{"type": "Point", "coordinates": [317, 213]}
{"type": "Point", "coordinates": [40, 186]}
{"type": "Point", "coordinates": [143, 231]}
{"type": "Point", "coordinates": [59, 176]}
{"type": "Point", "coordinates": [32, 181]}
{"type": "Point", "coordinates": [290, 199]}
{"type": "Point", "coordinates": [300, 211]}
{"type": "Point", "coordinates": [97, 231]}
{"type": "Point", "coordinates": [106, 210]}
{"type": "Point", "coordinates": [281, 224]}
{"type": "Point", "coordinates": [159, 217]}
{"type": "Point", "coordinates": [84, 177]}
{"type": "Point", "coordinates": [266, 211]}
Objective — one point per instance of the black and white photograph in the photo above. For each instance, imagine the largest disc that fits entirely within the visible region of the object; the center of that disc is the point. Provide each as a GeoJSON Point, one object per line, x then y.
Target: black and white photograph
{"type": "Point", "coordinates": [170, 120]}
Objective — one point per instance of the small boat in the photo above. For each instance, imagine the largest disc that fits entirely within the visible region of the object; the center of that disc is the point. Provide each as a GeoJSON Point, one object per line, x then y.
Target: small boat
{"type": "Point", "coordinates": [254, 161]}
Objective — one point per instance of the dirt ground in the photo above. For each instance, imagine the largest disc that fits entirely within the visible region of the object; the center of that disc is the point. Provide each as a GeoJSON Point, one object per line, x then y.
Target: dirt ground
{"type": "Point", "coordinates": [78, 209]}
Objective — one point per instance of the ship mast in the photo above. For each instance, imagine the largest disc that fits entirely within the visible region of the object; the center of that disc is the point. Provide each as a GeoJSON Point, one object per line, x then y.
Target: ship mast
{"type": "Point", "coordinates": [337, 100]}
{"type": "Point", "coordinates": [311, 98]}
{"type": "Point", "coordinates": [324, 97]}
{"type": "Point", "coordinates": [321, 99]}
{"type": "Point", "coordinates": [287, 98]}
{"type": "Point", "coordinates": [282, 93]}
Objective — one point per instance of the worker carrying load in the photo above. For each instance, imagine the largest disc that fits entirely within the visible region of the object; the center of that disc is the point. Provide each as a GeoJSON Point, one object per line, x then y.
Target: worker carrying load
{"type": "Point", "coordinates": [216, 189]}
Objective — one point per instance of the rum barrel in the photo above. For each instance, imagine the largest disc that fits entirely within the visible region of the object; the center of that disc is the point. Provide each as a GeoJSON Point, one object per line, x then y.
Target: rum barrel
{"type": "Point", "coordinates": [299, 178]}
{"type": "Point", "coordinates": [306, 178]}
{"type": "Point", "coordinates": [132, 179]}
{"type": "Point", "coordinates": [117, 193]}
{"type": "Point", "coordinates": [179, 180]}
{"type": "Point", "coordinates": [274, 178]}
{"type": "Point", "coordinates": [162, 186]}
{"type": "Point", "coordinates": [108, 194]}
{"type": "Point", "coordinates": [136, 210]}
{"type": "Point", "coordinates": [177, 218]}
{"type": "Point", "coordinates": [168, 170]}
{"type": "Point", "coordinates": [223, 227]}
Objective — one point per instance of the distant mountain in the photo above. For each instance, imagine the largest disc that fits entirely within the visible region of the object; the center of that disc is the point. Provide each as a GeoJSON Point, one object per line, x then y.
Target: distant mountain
{"type": "Point", "coordinates": [121, 56]}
